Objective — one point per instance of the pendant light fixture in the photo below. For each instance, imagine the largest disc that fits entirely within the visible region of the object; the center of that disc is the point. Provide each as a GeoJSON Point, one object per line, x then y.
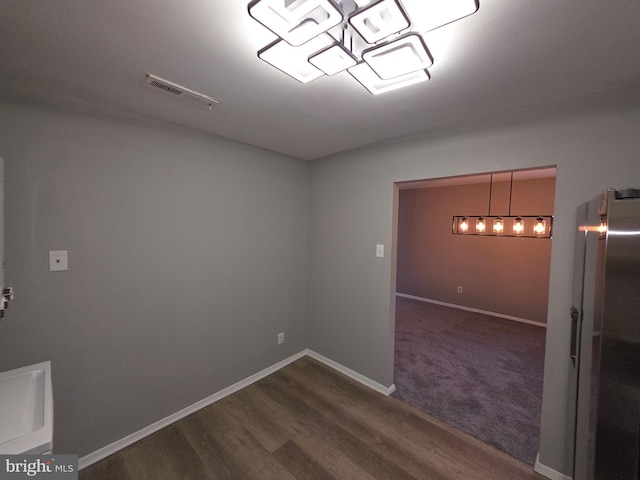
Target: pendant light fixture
{"type": "Point", "coordinates": [379, 42]}
{"type": "Point", "coordinates": [539, 225]}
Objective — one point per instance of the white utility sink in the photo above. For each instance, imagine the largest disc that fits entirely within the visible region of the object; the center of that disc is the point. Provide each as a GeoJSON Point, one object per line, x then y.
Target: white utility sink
{"type": "Point", "coordinates": [26, 410]}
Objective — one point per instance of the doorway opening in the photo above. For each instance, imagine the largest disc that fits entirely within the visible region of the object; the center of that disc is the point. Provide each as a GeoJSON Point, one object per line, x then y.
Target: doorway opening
{"type": "Point", "coordinates": [471, 310]}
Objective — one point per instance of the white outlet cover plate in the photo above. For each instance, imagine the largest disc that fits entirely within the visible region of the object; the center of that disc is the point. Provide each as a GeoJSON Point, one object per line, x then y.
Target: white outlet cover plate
{"type": "Point", "coordinates": [58, 260]}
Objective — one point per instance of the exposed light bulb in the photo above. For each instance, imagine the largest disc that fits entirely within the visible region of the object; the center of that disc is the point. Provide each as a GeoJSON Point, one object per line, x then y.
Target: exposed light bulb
{"type": "Point", "coordinates": [498, 225]}
{"type": "Point", "coordinates": [518, 226]}
{"type": "Point", "coordinates": [481, 225]}
{"type": "Point", "coordinates": [540, 227]}
{"type": "Point", "coordinates": [464, 225]}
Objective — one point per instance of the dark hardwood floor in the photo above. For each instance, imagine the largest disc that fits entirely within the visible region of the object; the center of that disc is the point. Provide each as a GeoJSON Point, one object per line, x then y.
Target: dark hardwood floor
{"type": "Point", "coordinates": [307, 421]}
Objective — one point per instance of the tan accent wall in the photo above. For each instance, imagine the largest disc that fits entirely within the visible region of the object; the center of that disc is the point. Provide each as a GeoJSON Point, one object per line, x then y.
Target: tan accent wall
{"type": "Point", "coordinates": [504, 275]}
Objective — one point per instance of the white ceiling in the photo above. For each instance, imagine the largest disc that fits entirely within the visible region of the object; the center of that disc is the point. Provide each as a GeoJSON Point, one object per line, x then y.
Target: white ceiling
{"type": "Point", "coordinates": [510, 55]}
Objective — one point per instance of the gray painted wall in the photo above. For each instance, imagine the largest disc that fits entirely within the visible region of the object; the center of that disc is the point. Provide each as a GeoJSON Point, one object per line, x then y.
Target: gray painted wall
{"type": "Point", "coordinates": [187, 255]}
{"type": "Point", "coordinates": [595, 146]}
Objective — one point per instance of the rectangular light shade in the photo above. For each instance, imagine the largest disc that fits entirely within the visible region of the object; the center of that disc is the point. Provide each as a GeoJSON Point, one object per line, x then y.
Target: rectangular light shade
{"type": "Point", "coordinates": [297, 21]}
{"type": "Point", "coordinates": [430, 14]}
{"type": "Point", "coordinates": [372, 82]}
{"type": "Point", "coordinates": [400, 57]}
{"type": "Point", "coordinates": [333, 60]}
{"type": "Point", "coordinates": [380, 20]}
{"type": "Point", "coordinates": [293, 60]}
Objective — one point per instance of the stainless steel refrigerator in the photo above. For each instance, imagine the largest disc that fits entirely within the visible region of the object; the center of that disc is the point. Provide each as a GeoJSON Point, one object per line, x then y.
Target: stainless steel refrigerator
{"type": "Point", "coordinates": [605, 346]}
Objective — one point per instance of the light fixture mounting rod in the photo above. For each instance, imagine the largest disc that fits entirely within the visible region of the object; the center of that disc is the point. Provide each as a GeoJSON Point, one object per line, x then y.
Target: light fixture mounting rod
{"type": "Point", "coordinates": [510, 192]}
{"type": "Point", "coordinates": [490, 193]}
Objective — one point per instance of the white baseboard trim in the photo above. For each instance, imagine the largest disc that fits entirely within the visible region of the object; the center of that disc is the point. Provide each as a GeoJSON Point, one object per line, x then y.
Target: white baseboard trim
{"type": "Point", "coordinates": [475, 310]}
{"type": "Point", "coordinates": [378, 387]}
{"type": "Point", "coordinates": [112, 448]}
{"type": "Point", "coordinates": [548, 471]}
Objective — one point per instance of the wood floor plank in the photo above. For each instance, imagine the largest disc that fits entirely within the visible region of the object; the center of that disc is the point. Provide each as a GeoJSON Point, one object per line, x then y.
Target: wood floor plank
{"type": "Point", "coordinates": [363, 452]}
{"type": "Point", "coordinates": [243, 454]}
{"type": "Point", "coordinates": [378, 430]}
{"type": "Point", "coordinates": [110, 468]}
{"type": "Point", "coordinates": [357, 403]}
{"type": "Point", "coordinates": [463, 452]}
{"type": "Point", "coordinates": [308, 422]}
{"type": "Point", "coordinates": [251, 414]}
{"type": "Point", "coordinates": [300, 463]}
{"type": "Point", "coordinates": [220, 465]}
{"type": "Point", "coordinates": [145, 463]}
{"type": "Point", "coordinates": [321, 450]}
{"type": "Point", "coordinates": [472, 458]}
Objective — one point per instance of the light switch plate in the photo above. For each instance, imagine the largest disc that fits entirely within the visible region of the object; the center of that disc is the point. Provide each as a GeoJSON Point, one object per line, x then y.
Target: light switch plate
{"type": "Point", "coordinates": [58, 260]}
{"type": "Point", "coordinates": [379, 251]}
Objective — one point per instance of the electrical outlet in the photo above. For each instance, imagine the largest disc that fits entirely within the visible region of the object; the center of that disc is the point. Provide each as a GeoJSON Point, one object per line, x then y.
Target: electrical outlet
{"type": "Point", "coordinates": [280, 338]}
{"type": "Point", "coordinates": [459, 289]}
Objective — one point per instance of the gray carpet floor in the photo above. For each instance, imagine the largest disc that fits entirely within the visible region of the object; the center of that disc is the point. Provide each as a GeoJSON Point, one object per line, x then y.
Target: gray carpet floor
{"type": "Point", "coordinates": [479, 373]}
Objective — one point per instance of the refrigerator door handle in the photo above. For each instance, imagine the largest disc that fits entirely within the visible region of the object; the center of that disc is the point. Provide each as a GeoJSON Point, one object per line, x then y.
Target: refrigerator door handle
{"type": "Point", "coordinates": [575, 317]}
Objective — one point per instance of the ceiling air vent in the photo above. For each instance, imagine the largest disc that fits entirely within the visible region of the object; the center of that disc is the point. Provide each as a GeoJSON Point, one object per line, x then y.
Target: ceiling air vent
{"type": "Point", "coordinates": [179, 90]}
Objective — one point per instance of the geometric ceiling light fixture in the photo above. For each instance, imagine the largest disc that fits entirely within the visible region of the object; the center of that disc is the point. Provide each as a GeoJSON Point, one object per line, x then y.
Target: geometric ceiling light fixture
{"type": "Point", "coordinates": [292, 60]}
{"type": "Point", "coordinates": [333, 59]}
{"type": "Point", "coordinates": [376, 22]}
{"type": "Point", "coordinates": [378, 42]}
{"type": "Point", "coordinates": [368, 78]}
{"type": "Point", "coordinates": [405, 55]}
{"type": "Point", "coordinates": [428, 15]}
{"type": "Point", "coordinates": [297, 21]}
